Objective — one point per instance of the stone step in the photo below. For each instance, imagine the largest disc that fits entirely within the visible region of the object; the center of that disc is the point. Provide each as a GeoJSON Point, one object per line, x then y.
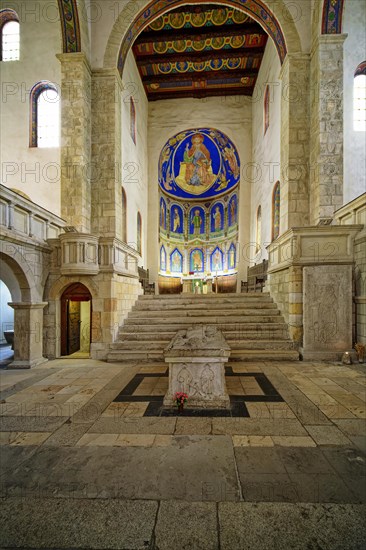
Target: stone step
{"type": "Point", "coordinates": [237, 355]}
{"type": "Point", "coordinates": [200, 313]}
{"type": "Point", "coordinates": [235, 344]}
{"type": "Point", "coordinates": [277, 325]}
{"type": "Point", "coordinates": [211, 296]}
{"type": "Point", "coordinates": [230, 336]}
{"type": "Point", "coordinates": [174, 308]}
{"type": "Point", "coordinates": [192, 320]}
{"type": "Point", "coordinates": [179, 302]}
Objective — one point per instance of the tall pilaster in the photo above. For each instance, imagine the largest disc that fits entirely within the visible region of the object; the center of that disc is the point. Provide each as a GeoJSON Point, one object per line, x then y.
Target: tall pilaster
{"type": "Point", "coordinates": [326, 175]}
{"type": "Point", "coordinates": [106, 153]}
{"type": "Point", "coordinates": [75, 140]}
{"type": "Point", "coordinates": [295, 129]}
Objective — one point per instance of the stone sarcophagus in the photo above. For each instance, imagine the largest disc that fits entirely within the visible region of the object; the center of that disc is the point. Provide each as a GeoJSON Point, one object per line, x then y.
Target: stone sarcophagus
{"type": "Point", "coordinates": [197, 358]}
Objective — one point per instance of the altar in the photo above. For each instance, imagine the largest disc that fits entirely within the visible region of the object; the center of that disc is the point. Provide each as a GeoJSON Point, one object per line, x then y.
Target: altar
{"type": "Point", "coordinates": [197, 284]}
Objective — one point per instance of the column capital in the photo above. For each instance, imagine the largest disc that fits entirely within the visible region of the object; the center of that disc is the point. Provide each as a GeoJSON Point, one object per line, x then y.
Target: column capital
{"type": "Point", "coordinates": [76, 57]}
{"type": "Point", "coordinates": [27, 305]}
{"type": "Point", "coordinates": [327, 39]}
{"type": "Point", "coordinates": [291, 58]}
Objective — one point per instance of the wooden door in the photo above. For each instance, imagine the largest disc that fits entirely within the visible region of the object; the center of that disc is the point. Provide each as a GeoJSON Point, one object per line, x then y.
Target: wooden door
{"type": "Point", "coordinates": [71, 317]}
{"type": "Point", "coordinates": [73, 327]}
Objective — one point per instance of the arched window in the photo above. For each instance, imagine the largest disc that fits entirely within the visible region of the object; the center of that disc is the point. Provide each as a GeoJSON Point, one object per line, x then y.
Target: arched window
{"type": "Point", "coordinates": [124, 216]}
{"type": "Point", "coordinates": [266, 109]}
{"type": "Point", "coordinates": [9, 35]}
{"type": "Point", "coordinates": [276, 198]}
{"type": "Point", "coordinates": [139, 232]}
{"type": "Point", "coordinates": [359, 98]}
{"type": "Point", "coordinates": [258, 229]}
{"type": "Point", "coordinates": [44, 115]}
{"type": "Point", "coordinates": [133, 120]}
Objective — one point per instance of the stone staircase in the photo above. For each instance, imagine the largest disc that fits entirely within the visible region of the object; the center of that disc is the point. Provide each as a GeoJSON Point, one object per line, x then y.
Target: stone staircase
{"type": "Point", "coordinates": [251, 323]}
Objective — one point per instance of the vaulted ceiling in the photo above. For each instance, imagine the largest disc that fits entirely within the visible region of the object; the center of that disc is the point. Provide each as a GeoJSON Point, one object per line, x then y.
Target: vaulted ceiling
{"type": "Point", "coordinates": [200, 51]}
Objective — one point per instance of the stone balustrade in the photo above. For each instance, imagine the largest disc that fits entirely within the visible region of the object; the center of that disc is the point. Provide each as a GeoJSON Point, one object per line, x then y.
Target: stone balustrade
{"type": "Point", "coordinates": [353, 212]}
{"type": "Point", "coordinates": [310, 277]}
{"type": "Point", "coordinates": [27, 220]}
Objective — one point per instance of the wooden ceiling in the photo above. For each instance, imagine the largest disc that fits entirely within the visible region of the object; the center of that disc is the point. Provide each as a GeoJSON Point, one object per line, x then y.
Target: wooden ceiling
{"type": "Point", "coordinates": [200, 51]}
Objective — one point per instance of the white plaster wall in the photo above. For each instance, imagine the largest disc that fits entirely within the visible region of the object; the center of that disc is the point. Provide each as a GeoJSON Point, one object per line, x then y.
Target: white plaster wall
{"type": "Point", "coordinates": [134, 157]}
{"type": "Point", "coordinates": [266, 149]}
{"type": "Point", "coordinates": [34, 171]}
{"type": "Point", "coordinates": [231, 115]}
{"type": "Point", "coordinates": [6, 312]}
{"type": "Point", "coordinates": [354, 24]}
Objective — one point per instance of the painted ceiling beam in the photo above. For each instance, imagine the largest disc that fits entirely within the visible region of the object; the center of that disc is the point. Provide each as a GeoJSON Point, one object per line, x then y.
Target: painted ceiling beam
{"type": "Point", "coordinates": [200, 56]}
{"type": "Point", "coordinates": [201, 94]}
{"type": "Point", "coordinates": [146, 37]}
{"type": "Point", "coordinates": [198, 76]}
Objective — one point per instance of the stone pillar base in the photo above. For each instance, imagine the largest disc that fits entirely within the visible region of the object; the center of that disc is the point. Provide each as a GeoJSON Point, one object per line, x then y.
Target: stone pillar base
{"type": "Point", "coordinates": [27, 364]}
{"type": "Point", "coordinates": [327, 355]}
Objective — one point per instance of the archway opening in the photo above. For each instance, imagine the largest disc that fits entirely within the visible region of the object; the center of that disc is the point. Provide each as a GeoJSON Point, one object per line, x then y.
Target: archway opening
{"type": "Point", "coordinates": [7, 326]}
{"type": "Point", "coordinates": [76, 310]}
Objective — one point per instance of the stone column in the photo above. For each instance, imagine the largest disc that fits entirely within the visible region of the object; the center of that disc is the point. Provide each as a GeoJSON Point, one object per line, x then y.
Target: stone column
{"type": "Point", "coordinates": [295, 128]}
{"type": "Point", "coordinates": [326, 176]}
{"type": "Point", "coordinates": [106, 153]}
{"type": "Point", "coordinates": [75, 140]}
{"type": "Point", "coordinates": [28, 335]}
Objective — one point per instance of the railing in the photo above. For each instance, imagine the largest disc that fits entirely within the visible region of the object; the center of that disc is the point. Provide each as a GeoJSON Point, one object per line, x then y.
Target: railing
{"type": "Point", "coordinates": [353, 212]}
{"type": "Point", "coordinates": [26, 219]}
{"type": "Point", "coordinates": [73, 253]}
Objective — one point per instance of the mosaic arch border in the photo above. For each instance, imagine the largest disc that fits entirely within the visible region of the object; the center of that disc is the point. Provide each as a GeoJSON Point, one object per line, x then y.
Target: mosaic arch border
{"type": "Point", "coordinates": [254, 8]}
{"type": "Point", "coordinates": [332, 16]}
{"type": "Point", "coordinates": [70, 26]}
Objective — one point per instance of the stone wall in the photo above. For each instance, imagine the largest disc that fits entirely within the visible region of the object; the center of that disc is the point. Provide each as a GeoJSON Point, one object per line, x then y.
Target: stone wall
{"type": "Point", "coordinates": [134, 166]}
{"type": "Point", "coordinates": [33, 170]}
{"type": "Point", "coordinates": [266, 149]}
{"type": "Point", "coordinates": [360, 287]}
{"type": "Point", "coordinates": [354, 24]}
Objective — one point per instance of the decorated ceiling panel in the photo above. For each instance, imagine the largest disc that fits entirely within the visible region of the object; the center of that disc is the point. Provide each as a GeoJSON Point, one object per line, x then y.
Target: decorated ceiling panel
{"type": "Point", "coordinates": [198, 51]}
{"type": "Point", "coordinates": [199, 164]}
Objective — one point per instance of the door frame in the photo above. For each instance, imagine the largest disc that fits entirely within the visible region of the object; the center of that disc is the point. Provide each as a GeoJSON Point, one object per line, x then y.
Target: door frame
{"type": "Point", "coordinates": [76, 292]}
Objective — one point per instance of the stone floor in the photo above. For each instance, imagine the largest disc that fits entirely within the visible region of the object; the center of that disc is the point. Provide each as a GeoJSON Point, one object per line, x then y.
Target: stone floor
{"type": "Point", "coordinates": [88, 460]}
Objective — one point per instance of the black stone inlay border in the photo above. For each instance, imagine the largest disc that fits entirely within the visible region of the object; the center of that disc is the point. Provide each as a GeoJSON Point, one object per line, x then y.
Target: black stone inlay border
{"type": "Point", "coordinates": [237, 402]}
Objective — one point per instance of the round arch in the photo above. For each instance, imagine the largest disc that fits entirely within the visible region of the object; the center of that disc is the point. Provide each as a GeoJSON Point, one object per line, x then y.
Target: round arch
{"type": "Point", "coordinates": [70, 26]}
{"type": "Point", "coordinates": [332, 17]}
{"type": "Point", "coordinates": [15, 278]}
{"type": "Point", "coordinates": [277, 22]}
{"type": "Point", "coordinates": [55, 291]}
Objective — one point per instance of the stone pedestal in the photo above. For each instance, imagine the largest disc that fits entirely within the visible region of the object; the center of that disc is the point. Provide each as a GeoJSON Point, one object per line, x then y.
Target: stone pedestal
{"type": "Point", "coordinates": [327, 311]}
{"type": "Point", "coordinates": [28, 338]}
{"type": "Point", "coordinates": [197, 358]}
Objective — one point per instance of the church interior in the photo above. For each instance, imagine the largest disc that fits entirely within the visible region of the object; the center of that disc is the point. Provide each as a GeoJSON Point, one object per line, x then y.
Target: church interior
{"type": "Point", "coordinates": [183, 274]}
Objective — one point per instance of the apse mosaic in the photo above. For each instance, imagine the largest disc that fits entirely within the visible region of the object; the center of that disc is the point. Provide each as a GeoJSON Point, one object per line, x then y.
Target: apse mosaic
{"type": "Point", "coordinates": [217, 218]}
{"type": "Point", "coordinates": [231, 261]}
{"type": "Point", "coordinates": [176, 261]}
{"type": "Point", "coordinates": [162, 259]}
{"type": "Point", "coordinates": [197, 222]}
{"type": "Point", "coordinates": [176, 219]}
{"type": "Point", "coordinates": [217, 260]}
{"type": "Point", "coordinates": [232, 210]}
{"type": "Point", "coordinates": [162, 213]}
{"type": "Point", "coordinates": [196, 260]}
{"type": "Point", "coordinates": [199, 163]}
